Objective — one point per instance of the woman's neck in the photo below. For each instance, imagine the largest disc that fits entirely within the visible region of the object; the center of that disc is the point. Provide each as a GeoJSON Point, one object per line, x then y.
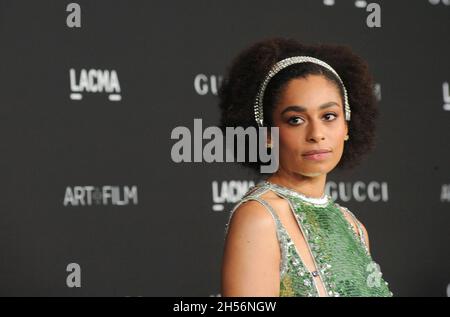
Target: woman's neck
{"type": "Point", "coordinates": [313, 187]}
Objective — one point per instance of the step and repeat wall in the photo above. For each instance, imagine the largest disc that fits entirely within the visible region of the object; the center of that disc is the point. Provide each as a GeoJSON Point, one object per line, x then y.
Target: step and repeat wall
{"type": "Point", "coordinates": [92, 201]}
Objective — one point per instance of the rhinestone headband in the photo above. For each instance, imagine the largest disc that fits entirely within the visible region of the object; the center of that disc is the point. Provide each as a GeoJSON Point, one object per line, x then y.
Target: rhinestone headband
{"type": "Point", "coordinates": [258, 107]}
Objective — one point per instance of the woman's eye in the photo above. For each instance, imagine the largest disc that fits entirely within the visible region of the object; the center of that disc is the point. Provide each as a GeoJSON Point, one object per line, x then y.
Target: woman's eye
{"type": "Point", "coordinates": [298, 120]}
{"type": "Point", "coordinates": [295, 120]}
{"type": "Point", "coordinates": [332, 114]}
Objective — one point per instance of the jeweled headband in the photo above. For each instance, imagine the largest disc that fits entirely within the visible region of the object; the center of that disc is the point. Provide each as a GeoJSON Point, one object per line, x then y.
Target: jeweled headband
{"type": "Point", "coordinates": [283, 64]}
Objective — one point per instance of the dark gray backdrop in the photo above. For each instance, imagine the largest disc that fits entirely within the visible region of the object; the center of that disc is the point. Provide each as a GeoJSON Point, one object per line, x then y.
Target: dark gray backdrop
{"type": "Point", "coordinates": [170, 240]}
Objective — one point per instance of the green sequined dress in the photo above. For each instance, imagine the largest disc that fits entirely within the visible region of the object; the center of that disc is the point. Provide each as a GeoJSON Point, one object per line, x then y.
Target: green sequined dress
{"type": "Point", "coordinates": [340, 254]}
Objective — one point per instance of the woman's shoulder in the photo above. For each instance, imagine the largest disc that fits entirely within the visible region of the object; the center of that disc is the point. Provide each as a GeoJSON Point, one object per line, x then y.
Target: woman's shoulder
{"type": "Point", "coordinates": [250, 212]}
{"type": "Point", "coordinates": [251, 251]}
{"type": "Point", "coordinates": [257, 209]}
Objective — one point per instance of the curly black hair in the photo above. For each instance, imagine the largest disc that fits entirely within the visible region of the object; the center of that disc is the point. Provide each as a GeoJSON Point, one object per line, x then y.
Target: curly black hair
{"type": "Point", "coordinates": [244, 76]}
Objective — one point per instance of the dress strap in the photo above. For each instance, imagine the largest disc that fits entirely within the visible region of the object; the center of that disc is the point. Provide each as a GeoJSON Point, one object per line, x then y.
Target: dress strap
{"type": "Point", "coordinates": [286, 191]}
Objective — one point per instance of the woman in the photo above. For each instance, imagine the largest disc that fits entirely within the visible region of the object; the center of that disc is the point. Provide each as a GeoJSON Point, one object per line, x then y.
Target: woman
{"type": "Point", "coordinates": [286, 237]}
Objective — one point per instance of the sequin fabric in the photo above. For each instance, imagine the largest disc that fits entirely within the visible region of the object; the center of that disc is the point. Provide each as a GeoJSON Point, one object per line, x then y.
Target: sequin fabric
{"type": "Point", "coordinates": [343, 261]}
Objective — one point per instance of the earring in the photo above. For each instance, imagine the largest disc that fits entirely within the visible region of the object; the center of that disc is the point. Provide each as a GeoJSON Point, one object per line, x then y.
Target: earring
{"type": "Point", "coordinates": [269, 146]}
{"type": "Point", "coordinates": [346, 137]}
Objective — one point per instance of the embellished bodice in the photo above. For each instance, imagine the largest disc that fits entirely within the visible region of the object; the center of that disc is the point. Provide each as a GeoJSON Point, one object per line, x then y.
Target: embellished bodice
{"type": "Point", "coordinates": [342, 260]}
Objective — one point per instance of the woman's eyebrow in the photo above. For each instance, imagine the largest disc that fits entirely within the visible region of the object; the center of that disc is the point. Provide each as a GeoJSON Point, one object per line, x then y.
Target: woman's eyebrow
{"type": "Point", "coordinates": [303, 109]}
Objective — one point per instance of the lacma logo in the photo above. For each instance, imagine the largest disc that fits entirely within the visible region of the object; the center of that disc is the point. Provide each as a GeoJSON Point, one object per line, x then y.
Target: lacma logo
{"type": "Point", "coordinates": [94, 81]}
{"type": "Point", "coordinates": [104, 195]}
{"type": "Point", "coordinates": [228, 192]}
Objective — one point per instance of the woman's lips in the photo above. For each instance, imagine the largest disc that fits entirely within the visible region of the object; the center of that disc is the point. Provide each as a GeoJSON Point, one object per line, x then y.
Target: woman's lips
{"type": "Point", "coordinates": [317, 156]}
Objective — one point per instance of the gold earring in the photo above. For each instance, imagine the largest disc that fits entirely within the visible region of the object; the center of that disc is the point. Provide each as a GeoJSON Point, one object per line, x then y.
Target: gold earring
{"type": "Point", "coordinates": [346, 137]}
{"type": "Point", "coordinates": [269, 146]}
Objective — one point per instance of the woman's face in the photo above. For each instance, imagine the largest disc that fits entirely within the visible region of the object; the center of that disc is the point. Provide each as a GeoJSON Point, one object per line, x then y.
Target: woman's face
{"type": "Point", "coordinates": [310, 116]}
